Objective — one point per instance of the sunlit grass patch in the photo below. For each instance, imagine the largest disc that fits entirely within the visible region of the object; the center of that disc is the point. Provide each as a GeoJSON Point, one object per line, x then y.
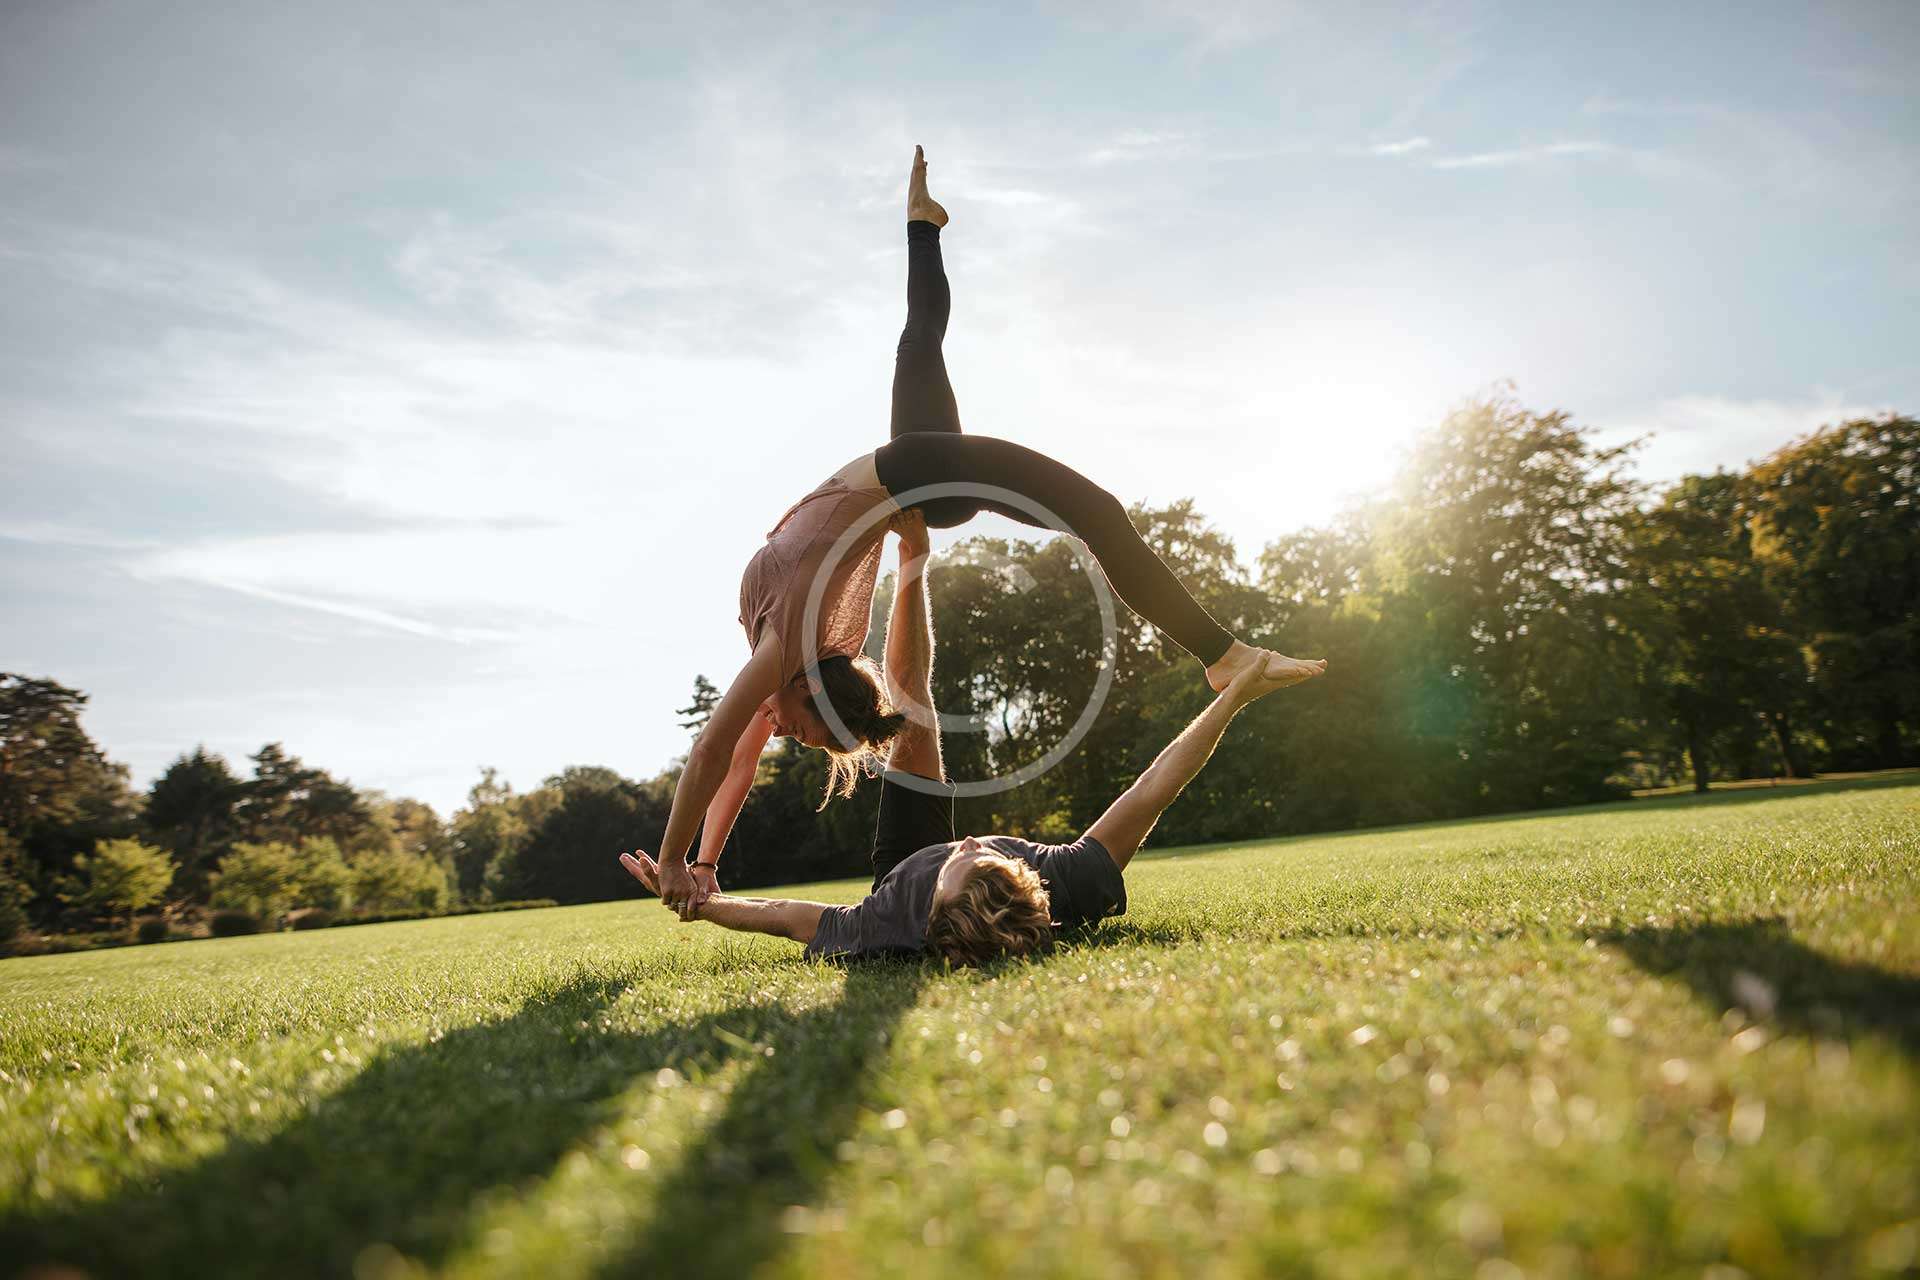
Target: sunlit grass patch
{"type": "Point", "coordinates": [1639, 1041]}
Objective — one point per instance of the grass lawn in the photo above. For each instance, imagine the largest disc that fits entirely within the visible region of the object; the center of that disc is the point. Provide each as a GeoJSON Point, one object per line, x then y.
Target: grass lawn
{"type": "Point", "coordinates": [1669, 1037]}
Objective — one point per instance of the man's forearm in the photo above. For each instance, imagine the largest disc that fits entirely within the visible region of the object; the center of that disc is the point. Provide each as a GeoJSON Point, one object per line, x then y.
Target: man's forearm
{"type": "Point", "coordinates": [1128, 821]}
{"type": "Point", "coordinates": [778, 917]}
{"type": "Point", "coordinates": [1181, 760]}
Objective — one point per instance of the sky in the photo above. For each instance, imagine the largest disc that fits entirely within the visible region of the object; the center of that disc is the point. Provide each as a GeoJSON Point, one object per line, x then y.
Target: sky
{"type": "Point", "coordinates": [409, 384]}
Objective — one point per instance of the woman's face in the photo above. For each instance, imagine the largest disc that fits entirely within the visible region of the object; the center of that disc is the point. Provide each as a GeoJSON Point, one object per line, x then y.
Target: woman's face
{"type": "Point", "coordinates": [792, 715]}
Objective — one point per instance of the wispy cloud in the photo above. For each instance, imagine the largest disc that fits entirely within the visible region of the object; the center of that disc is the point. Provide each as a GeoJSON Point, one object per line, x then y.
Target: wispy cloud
{"type": "Point", "coordinates": [1137, 144]}
{"type": "Point", "coordinates": [1521, 155]}
{"type": "Point", "coordinates": [1405, 146]}
{"type": "Point", "coordinates": [1704, 431]}
{"type": "Point", "coordinates": [42, 533]}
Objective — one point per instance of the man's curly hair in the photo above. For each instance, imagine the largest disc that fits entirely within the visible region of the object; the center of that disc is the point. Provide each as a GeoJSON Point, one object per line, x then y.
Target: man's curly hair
{"type": "Point", "coordinates": [1000, 909]}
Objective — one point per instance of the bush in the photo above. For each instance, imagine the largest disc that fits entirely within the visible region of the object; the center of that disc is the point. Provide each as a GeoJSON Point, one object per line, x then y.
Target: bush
{"type": "Point", "coordinates": [391, 881]}
{"type": "Point", "coordinates": [321, 877]}
{"type": "Point", "coordinates": [120, 877]}
{"type": "Point", "coordinates": [477, 909]}
{"type": "Point", "coordinates": [152, 929]}
{"type": "Point", "coordinates": [256, 880]}
{"type": "Point", "coordinates": [232, 924]}
{"type": "Point", "coordinates": [315, 919]}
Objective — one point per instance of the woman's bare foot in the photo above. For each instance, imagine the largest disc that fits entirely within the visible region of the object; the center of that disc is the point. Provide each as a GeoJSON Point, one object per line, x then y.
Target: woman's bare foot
{"type": "Point", "coordinates": [1283, 671]}
{"type": "Point", "coordinates": [922, 207]}
{"type": "Point", "coordinates": [1277, 666]}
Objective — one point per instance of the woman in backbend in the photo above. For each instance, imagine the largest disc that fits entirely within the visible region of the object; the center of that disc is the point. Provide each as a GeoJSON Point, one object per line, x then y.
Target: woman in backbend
{"type": "Point", "coordinates": [798, 672]}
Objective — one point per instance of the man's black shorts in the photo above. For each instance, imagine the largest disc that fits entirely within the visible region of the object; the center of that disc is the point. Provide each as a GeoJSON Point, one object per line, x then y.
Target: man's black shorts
{"type": "Point", "coordinates": [911, 818]}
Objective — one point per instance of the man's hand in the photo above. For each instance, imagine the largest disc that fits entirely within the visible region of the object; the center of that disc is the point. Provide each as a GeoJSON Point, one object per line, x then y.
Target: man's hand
{"type": "Point", "coordinates": [641, 866]}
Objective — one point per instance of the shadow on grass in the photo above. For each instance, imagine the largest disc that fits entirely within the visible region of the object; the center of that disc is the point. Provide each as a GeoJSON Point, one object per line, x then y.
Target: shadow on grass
{"type": "Point", "coordinates": [407, 1152]}
{"type": "Point", "coordinates": [1759, 967]}
{"type": "Point", "coordinates": [720, 1212]}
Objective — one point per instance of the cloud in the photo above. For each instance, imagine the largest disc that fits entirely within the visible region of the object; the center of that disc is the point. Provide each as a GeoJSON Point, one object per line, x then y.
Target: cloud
{"type": "Point", "coordinates": [1137, 144]}
{"type": "Point", "coordinates": [1703, 432]}
{"type": "Point", "coordinates": [1401, 148]}
{"type": "Point", "coordinates": [1521, 155]}
{"type": "Point", "coordinates": [43, 533]}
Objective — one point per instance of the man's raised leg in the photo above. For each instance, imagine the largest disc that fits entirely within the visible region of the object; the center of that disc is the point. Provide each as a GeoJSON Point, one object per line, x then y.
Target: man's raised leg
{"type": "Point", "coordinates": [1128, 820]}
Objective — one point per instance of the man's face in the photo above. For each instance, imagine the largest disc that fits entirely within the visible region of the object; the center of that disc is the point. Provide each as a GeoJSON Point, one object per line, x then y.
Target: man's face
{"type": "Point", "coordinates": [953, 872]}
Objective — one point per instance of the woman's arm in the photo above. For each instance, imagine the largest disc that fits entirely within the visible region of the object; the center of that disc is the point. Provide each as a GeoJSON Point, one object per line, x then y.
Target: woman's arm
{"type": "Point", "coordinates": [778, 917]}
{"type": "Point", "coordinates": [909, 664]}
{"type": "Point", "coordinates": [732, 795]}
{"type": "Point", "coordinates": [709, 762]}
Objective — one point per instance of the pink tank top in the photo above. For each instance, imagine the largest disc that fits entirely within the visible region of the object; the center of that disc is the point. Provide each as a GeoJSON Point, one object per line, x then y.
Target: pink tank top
{"type": "Point", "coordinates": [780, 577]}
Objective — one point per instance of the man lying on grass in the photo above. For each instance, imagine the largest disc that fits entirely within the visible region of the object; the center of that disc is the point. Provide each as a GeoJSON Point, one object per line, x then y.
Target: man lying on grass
{"type": "Point", "coordinates": [974, 899]}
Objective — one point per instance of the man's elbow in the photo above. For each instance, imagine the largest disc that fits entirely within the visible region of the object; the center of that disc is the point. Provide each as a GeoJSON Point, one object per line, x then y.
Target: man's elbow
{"type": "Point", "coordinates": [801, 923]}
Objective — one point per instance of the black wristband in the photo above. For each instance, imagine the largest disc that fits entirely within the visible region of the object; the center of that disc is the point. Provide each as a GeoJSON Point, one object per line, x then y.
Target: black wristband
{"type": "Point", "coordinates": [711, 866]}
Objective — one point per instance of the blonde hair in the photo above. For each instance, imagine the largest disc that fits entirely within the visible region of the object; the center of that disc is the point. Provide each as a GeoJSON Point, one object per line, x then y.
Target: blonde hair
{"type": "Point", "coordinates": [1001, 909]}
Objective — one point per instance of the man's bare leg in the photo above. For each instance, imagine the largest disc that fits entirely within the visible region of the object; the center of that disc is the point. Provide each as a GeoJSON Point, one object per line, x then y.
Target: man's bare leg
{"type": "Point", "coordinates": [1126, 823]}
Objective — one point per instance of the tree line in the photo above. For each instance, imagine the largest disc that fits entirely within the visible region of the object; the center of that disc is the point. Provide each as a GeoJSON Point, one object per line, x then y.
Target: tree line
{"type": "Point", "coordinates": [1517, 622]}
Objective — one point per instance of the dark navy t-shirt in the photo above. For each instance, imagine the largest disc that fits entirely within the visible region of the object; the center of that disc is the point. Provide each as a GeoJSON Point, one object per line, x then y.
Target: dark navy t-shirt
{"type": "Point", "coordinates": [1082, 884]}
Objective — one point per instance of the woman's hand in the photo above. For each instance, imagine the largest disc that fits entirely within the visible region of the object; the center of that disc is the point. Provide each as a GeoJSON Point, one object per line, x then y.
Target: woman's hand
{"type": "Point", "coordinates": [706, 883]}
{"type": "Point", "coordinates": [675, 884]}
{"type": "Point", "coordinates": [641, 866]}
{"type": "Point", "coordinates": [914, 540]}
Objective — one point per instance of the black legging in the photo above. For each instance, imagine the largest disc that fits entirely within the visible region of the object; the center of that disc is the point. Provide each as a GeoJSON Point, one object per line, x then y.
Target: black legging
{"type": "Point", "coordinates": [928, 448]}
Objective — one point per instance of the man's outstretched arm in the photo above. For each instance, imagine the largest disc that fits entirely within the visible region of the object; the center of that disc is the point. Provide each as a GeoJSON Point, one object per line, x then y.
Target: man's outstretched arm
{"type": "Point", "coordinates": [1126, 823]}
{"type": "Point", "coordinates": [778, 917]}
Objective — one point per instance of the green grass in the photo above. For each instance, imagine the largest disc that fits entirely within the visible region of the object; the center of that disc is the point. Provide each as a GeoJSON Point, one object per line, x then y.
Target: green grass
{"type": "Point", "coordinates": [1655, 1039]}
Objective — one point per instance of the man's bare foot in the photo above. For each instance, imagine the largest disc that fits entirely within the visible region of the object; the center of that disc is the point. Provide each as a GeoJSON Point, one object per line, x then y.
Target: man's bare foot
{"type": "Point", "coordinates": [1277, 666]}
{"type": "Point", "coordinates": [922, 207]}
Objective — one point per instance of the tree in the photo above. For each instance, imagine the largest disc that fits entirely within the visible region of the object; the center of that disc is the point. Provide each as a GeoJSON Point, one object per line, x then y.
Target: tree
{"type": "Point", "coordinates": [706, 697]}
{"type": "Point", "coordinates": [1507, 537]}
{"type": "Point", "coordinates": [59, 793]}
{"type": "Point", "coordinates": [571, 849]}
{"type": "Point", "coordinates": [405, 826]}
{"type": "Point", "coordinates": [14, 893]}
{"type": "Point", "coordinates": [320, 876]}
{"type": "Point", "coordinates": [118, 878]}
{"type": "Point", "coordinates": [485, 833]}
{"type": "Point", "coordinates": [396, 880]}
{"type": "Point", "coordinates": [286, 800]}
{"type": "Point", "coordinates": [1717, 657]}
{"type": "Point", "coordinates": [192, 809]}
{"type": "Point", "coordinates": [1836, 529]}
{"type": "Point", "coordinates": [258, 878]}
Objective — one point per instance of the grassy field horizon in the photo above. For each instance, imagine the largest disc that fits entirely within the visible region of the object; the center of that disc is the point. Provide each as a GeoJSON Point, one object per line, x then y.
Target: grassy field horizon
{"type": "Point", "coordinates": [1671, 1036]}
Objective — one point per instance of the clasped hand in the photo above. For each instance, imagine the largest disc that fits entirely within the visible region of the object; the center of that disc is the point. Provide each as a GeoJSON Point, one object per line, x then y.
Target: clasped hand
{"type": "Point", "coordinates": [683, 889]}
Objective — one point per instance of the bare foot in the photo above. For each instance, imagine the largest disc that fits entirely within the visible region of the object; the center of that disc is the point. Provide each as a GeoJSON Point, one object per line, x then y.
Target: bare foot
{"type": "Point", "coordinates": [1276, 667]}
{"type": "Point", "coordinates": [1283, 671]}
{"type": "Point", "coordinates": [922, 207]}
{"type": "Point", "coordinates": [1237, 659]}
{"type": "Point", "coordinates": [1277, 671]}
